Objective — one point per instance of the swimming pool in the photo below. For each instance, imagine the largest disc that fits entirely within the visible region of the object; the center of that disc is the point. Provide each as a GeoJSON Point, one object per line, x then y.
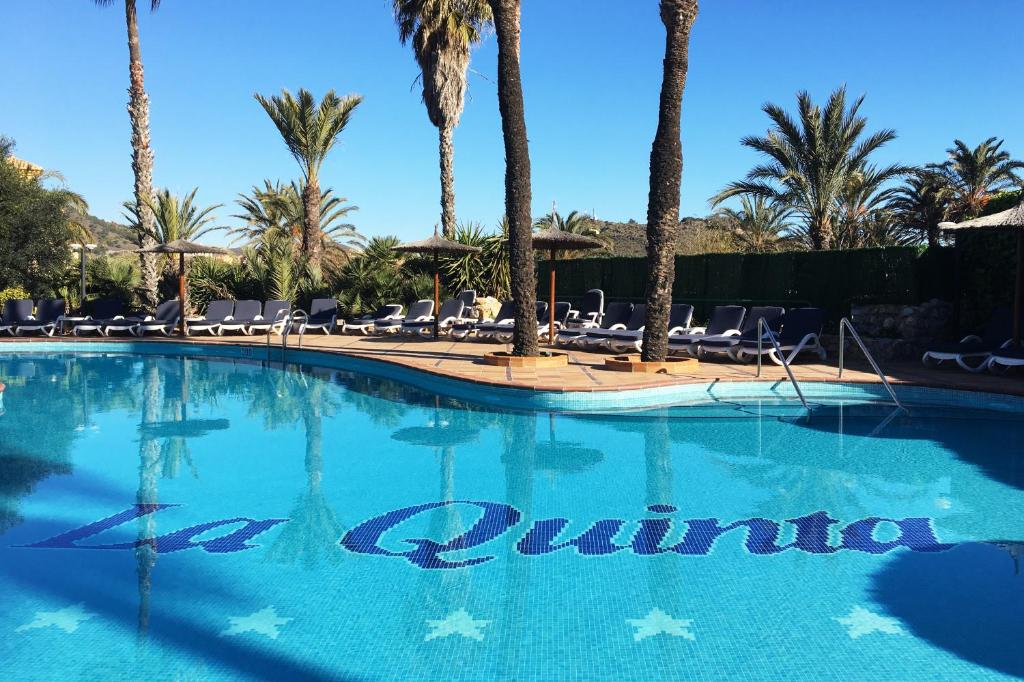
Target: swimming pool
{"type": "Point", "coordinates": [181, 517]}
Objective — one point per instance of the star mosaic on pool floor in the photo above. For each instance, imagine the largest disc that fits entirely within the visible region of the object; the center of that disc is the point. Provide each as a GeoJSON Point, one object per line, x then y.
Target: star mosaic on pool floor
{"type": "Point", "coordinates": [263, 622]}
{"type": "Point", "coordinates": [658, 622]}
{"type": "Point", "coordinates": [67, 619]}
{"type": "Point", "coordinates": [860, 621]}
{"type": "Point", "coordinates": [457, 623]}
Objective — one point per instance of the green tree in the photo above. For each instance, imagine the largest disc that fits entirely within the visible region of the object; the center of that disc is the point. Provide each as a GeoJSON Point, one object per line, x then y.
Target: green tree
{"type": "Point", "coordinates": [517, 176]}
{"type": "Point", "coordinates": [310, 131]}
{"type": "Point", "coordinates": [35, 228]}
{"type": "Point", "coordinates": [142, 151]}
{"type": "Point", "coordinates": [175, 218]}
{"type": "Point", "coordinates": [974, 175]}
{"type": "Point", "coordinates": [760, 225]}
{"type": "Point", "coordinates": [442, 33]}
{"type": "Point", "coordinates": [666, 177]}
{"type": "Point", "coordinates": [862, 206]}
{"type": "Point", "coordinates": [921, 203]}
{"type": "Point", "coordinates": [811, 160]}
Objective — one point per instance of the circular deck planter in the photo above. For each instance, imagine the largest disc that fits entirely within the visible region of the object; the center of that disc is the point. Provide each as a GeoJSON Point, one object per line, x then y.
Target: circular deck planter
{"type": "Point", "coordinates": [545, 359]}
{"type": "Point", "coordinates": [632, 363]}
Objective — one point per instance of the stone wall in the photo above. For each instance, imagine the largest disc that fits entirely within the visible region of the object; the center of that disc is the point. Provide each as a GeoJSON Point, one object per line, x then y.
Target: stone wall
{"type": "Point", "coordinates": [896, 331]}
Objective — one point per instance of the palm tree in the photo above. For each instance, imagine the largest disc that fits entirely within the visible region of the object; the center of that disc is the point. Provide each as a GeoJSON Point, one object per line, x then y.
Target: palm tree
{"type": "Point", "coordinates": [517, 177]}
{"type": "Point", "coordinates": [922, 202]}
{"type": "Point", "coordinates": [281, 208]}
{"type": "Point", "coordinates": [142, 152]}
{"type": "Point", "coordinates": [576, 223]}
{"type": "Point", "coordinates": [811, 160]}
{"type": "Point", "coordinates": [175, 219]}
{"type": "Point", "coordinates": [309, 132]}
{"type": "Point", "coordinates": [760, 225]}
{"type": "Point", "coordinates": [442, 33]}
{"type": "Point", "coordinates": [975, 174]}
{"type": "Point", "coordinates": [861, 206]}
{"type": "Point", "coordinates": [666, 177]}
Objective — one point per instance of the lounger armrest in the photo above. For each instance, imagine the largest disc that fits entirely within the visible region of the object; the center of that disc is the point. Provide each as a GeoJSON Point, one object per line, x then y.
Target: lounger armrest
{"type": "Point", "coordinates": [423, 318]}
{"type": "Point", "coordinates": [698, 330]}
{"type": "Point", "coordinates": [971, 337]}
{"type": "Point", "coordinates": [731, 332]}
{"type": "Point", "coordinates": [679, 330]}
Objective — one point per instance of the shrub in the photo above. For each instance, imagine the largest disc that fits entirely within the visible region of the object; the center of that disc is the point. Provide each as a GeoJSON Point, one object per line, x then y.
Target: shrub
{"type": "Point", "coordinates": [12, 294]}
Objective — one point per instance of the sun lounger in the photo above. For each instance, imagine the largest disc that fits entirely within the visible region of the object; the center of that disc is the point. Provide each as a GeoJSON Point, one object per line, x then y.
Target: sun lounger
{"type": "Point", "coordinates": [1004, 358]}
{"type": "Point", "coordinates": [468, 297]}
{"type": "Point", "coordinates": [728, 343]}
{"type": "Point", "coordinates": [726, 320]}
{"type": "Point", "coordinates": [679, 319]}
{"type": "Point", "coordinates": [503, 333]}
{"type": "Point", "coordinates": [366, 323]}
{"type": "Point", "coordinates": [103, 312]}
{"type": "Point", "coordinates": [448, 315]}
{"type": "Point", "coordinates": [216, 314]}
{"type": "Point", "coordinates": [164, 319]}
{"type": "Point", "coordinates": [420, 311]}
{"type": "Point", "coordinates": [615, 316]}
{"type": "Point", "coordinates": [562, 310]}
{"type": "Point", "coordinates": [591, 310]}
{"type": "Point", "coordinates": [973, 351]}
{"type": "Point", "coordinates": [595, 339]}
{"type": "Point", "coordinates": [16, 311]}
{"type": "Point", "coordinates": [323, 315]}
{"type": "Point", "coordinates": [47, 317]}
{"type": "Point", "coordinates": [274, 318]}
{"type": "Point", "coordinates": [462, 330]}
{"type": "Point", "coordinates": [246, 312]}
{"type": "Point", "coordinates": [801, 331]}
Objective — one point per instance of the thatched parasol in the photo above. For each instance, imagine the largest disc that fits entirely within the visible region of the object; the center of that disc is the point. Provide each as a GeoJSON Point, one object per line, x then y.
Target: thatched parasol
{"type": "Point", "coordinates": [437, 246]}
{"type": "Point", "coordinates": [1011, 219]}
{"type": "Point", "coordinates": [183, 248]}
{"type": "Point", "coordinates": [555, 239]}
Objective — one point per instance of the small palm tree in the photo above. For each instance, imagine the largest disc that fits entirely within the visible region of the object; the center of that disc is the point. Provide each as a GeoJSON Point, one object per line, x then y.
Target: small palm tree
{"type": "Point", "coordinates": [175, 219]}
{"type": "Point", "coordinates": [861, 206]}
{"type": "Point", "coordinates": [576, 222]}
{"type": "Point", "coordinates": [142, 152]}
{"type": "Point", "coordinates": [811, 160]}
{"type": "Point", "coordinates": [310, 132]}
{"type": "Point", "coordinates": [442, 33]}
{"type": "Point", "coordinates": [921, 203]}
{"type": "Point", "coordinates": [974, 175]}
{"type": "Point", "coordinates": [760, 225]}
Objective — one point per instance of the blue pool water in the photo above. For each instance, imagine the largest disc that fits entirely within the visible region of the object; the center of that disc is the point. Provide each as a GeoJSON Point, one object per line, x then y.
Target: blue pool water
{"type": "Point", "coordinates": [183, 518]}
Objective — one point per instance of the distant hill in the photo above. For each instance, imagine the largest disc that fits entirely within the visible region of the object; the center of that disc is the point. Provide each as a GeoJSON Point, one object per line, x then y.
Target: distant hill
{"type": "Point", "coordinates": [696, 235]}
{"type": "Point", "coordinates": [110, 236]}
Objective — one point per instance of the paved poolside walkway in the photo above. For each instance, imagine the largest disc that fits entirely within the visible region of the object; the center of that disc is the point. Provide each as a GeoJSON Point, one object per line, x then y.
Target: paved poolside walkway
{"type": "Point", "coordinates": [586, 372]}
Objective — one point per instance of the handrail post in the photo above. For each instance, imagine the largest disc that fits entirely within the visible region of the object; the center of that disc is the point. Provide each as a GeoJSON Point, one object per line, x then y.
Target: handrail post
{"type": "Point", "coordinates": [760, 333]}
{"type": "Point", "coordinates": [782, 359]}
{"type": "Point", "coordinates": [846, 324]}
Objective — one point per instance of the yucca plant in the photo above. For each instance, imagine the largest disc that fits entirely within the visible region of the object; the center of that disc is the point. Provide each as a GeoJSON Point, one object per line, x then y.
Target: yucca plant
{"type": "Point", "coordinates": [115, 277]}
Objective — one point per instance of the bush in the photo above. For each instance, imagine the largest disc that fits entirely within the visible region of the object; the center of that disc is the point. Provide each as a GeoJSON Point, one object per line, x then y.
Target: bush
{"type": "Point", "coordinates": [12, 294]}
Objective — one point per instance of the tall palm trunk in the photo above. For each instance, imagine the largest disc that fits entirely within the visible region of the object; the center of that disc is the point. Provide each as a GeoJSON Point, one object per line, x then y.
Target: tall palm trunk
{"type": "Point", "coordinates": [446, 150]}
{"type": "Point", "coordinates": [666, 177]}
{"type": "Point", "coordinates": [517, 177]}
{"type": "Point", "coordinates": [142, 155]}
{"type": "Point", "coordinates": [312, 247]}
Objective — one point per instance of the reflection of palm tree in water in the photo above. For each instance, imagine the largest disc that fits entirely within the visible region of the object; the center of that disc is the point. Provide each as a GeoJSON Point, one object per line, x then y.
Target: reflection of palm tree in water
{"type": "Point", "coordinates": [149, 467]}
{"type": "Point", "coordinates": [313, 533]}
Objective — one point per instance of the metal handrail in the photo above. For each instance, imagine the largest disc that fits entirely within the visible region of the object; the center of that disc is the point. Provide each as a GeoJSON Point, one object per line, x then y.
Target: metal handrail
{"type": "Point", "coordinates": [845, 324]}
{"type": "Point", "coordinates": [284, 316]}
{"type": "Point", "coordinates": [781, 356]}
{"type": "Point", "coordinates": [300, 316]}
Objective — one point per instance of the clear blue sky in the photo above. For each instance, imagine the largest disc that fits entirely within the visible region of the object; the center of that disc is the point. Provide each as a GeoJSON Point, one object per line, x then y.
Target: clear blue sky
{"type": "Point", "coordinates": [591, 69]}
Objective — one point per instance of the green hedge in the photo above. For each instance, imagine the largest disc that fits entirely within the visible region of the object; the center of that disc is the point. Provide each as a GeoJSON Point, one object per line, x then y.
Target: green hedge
{"type": "Point", "coordinates": [985, 268]}
{"type": "Point", "coordinates": [828, 279]}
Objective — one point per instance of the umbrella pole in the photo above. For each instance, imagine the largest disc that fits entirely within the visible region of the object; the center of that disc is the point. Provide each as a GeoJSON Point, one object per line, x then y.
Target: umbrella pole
{"type": "Point", "coordinates": [181, 292]}
{"type": "Point", "coordinates": [437, 295]}
{"type": "Point", "coordinates": [551, 308]}
{"type": "Point", "coordinates": [1018, 298]}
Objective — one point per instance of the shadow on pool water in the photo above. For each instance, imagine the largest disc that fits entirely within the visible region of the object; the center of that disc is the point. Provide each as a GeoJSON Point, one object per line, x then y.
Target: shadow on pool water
{"type": "Point", "coordinates": [968, 601]}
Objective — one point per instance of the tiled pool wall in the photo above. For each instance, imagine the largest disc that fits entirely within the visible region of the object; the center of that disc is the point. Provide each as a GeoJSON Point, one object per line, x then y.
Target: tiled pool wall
{"type": "Point", "coordinates": [525, 399]}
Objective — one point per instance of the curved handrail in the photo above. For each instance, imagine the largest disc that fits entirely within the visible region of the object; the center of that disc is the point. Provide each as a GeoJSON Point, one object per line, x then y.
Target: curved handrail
{"type": "Point", "coordinates": [845, 324]}
{"type": "Point", "coordinates": [781, 356]}
{"type": "Point", "coordinates": [297, 316]}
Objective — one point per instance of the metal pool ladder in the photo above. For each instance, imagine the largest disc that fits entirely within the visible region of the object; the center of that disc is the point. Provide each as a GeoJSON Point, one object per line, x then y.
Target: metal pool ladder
{"type": "Point", "coordinates": [782, 358]}
{"type": "Point", "coordinates": [845, 324]}
{"type": "Point", "coordinates": [289, 319]}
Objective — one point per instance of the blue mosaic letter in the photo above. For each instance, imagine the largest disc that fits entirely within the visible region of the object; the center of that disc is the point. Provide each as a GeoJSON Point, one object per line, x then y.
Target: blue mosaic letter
{"type": "Point", "coordinates": [497, 519]}
{"type": "Point", "coordinates": [595, 541]}
{"type": "Point", "coordinates": [915, 534]}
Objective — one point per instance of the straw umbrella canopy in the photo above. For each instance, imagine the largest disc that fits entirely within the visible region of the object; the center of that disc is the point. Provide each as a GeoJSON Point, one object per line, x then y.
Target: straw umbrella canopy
{"type": "Point", "coordinates": [1011, 219]}
{"type": "Point", "coordinates": [554, 239]}
{"type": "Point", "coordinates": [437, 246]}
{"type": "Point", "coordinates": [182, 248]}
